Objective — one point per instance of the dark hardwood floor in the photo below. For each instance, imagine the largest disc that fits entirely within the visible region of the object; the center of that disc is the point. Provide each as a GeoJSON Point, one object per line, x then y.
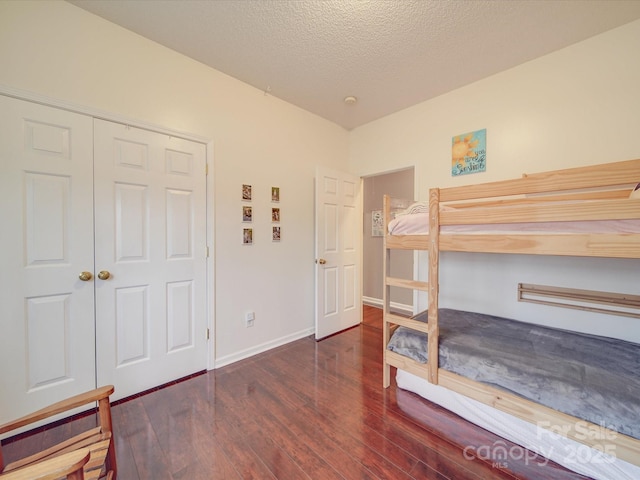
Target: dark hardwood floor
{"type": "Point", "coordinates": [306, 410]}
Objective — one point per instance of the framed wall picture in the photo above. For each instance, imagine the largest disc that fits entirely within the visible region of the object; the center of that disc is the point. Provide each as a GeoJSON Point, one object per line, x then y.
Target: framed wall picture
{"type": "Point", "coordinates": [275, 215]}
{"type": "Point", "coordinates": [275, 234]}
{"type": "Point", "coordinates": [377, 223]}
{"type": "Point", "coordinates": [275, 194]}
{"type": "Point", "coordinates": [246, 192]}
{"type": "Point", "coordinates": [247, 214]}
{"type": "Point", "coordinates": [247, 236]}
{"type": "Point", "coordinates": [469, 153]}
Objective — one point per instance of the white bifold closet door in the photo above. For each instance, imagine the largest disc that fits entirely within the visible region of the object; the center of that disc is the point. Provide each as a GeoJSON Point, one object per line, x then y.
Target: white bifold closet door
{"type": "Point", "coordinates": [78, 199]}
{"type": "Point", "coordinates": [47, 328]}
{"type": "Point", "coordinates": [150, 236]}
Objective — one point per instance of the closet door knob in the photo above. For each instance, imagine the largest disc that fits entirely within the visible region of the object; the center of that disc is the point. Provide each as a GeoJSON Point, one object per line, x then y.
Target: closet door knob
{"type": "Point", "coordinates": [322, 261]}
{"type": "Point", "coordinates": [85, 276]}
{"type": "Point", "coordinates": [104, 275]}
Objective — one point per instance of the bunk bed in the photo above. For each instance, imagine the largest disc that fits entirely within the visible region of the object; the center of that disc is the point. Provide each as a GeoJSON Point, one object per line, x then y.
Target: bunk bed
{"type": "Point", "coordinates": [591, 211]}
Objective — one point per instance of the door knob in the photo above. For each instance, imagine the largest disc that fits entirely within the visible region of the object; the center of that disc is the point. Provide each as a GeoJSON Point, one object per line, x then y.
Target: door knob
{"type": "Point", "coordinates": [322, 261]}
{"type": "Point", "coordinates": [104, 275]}
{"type": "Point", "coordinates": [85, 276]}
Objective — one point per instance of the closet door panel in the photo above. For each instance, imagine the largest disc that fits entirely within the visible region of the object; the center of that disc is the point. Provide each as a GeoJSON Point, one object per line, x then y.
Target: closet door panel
{"type": "Point", "coordinates": [131, 204]}
{"type": "Point", "coordinates": [47, 324]}
{"type": "Point", "coordinates": [180, 321]}
{"type": "Point", "coordinates": [46, 242]}
{"type": "Point", "coordinates": [132, 325]}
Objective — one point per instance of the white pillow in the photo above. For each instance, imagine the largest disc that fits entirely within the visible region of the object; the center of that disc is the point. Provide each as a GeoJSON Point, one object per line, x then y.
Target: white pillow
{"type": "Point", "coordinates": [418, 207]}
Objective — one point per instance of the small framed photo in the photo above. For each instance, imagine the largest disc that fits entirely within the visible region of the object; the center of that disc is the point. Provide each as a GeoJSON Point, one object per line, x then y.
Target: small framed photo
{"type": "Point", "coordinates": [377, 223]}
{"type": "Point", "coordinates": [275, 194]}
{"type": "Point", "coordinates": [275, 234]}
{"type": "Point", "coordinates": [247, 214]}
{"type": "Point", "coordinates": [275, 215]}
{"type": "Point", "coordinates": [246, 193]}
{"type": "Point", "coordinates": [247, 236]}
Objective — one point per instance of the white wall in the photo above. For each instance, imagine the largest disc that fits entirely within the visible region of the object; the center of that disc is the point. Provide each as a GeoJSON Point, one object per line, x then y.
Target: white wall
{"type": "Point", "coordinates": [577, 106]}
{"type": "Point", "coordinates": [55, 49]}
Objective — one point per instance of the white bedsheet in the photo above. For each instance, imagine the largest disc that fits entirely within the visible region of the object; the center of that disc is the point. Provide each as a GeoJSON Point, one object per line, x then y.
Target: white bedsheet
{"type": "Point", "coordinates": [418, 224]}
{"type": "Point", "coordinates": [566, 452]}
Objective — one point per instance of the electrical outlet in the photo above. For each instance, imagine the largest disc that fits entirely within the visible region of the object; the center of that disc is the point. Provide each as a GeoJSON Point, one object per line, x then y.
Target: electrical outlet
{"type": "Point", "coordinates": [249, 319]}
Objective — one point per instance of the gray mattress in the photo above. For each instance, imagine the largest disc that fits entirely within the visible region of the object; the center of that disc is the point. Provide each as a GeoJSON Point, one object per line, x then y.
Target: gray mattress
{"type": "Point", "coordinates": [590, 377]}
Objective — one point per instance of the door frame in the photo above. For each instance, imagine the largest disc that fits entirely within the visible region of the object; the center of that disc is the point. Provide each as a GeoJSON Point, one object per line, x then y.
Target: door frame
{"type": "Point", "coordinates": [209, 207]}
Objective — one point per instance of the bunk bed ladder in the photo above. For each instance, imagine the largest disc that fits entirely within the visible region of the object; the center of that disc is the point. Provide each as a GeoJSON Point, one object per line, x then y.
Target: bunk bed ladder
{"type": "Point", "coordinates": [391, 320]}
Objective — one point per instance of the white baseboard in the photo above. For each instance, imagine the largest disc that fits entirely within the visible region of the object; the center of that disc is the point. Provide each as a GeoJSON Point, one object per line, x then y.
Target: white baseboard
{"type": "Point", "coordinates": [377, 302]}
{"type": "Point", "coordinates": [249, 352]}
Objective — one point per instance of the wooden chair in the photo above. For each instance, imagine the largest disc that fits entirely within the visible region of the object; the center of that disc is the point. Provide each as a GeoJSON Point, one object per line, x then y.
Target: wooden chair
{"type": "Point", "coordinates": [90, 455]}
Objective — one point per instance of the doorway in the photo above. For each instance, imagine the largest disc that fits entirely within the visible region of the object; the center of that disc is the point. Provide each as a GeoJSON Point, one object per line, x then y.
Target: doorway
{"type": "Point", "coordinates": [399, 184]}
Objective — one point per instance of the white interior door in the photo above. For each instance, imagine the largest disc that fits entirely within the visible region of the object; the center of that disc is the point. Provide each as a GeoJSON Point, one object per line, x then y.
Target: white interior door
{"type": "Point", "coordinates": [150, 207]}
{"type": "Point", "coordinates": [338, 223]}
{"type": "Point", "coordinates": [46, 240]}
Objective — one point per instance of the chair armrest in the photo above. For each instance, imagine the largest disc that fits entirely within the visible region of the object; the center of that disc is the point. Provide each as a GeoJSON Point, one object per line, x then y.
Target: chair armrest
{"type": "Point", "coordinates": [51, 469]}
{"type": "Point", "coordinates": [60, 407]}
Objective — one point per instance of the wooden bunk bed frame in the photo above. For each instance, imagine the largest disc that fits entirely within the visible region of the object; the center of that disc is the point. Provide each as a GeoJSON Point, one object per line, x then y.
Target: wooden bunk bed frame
{"type": "Point", "coordinates": [540, 197]}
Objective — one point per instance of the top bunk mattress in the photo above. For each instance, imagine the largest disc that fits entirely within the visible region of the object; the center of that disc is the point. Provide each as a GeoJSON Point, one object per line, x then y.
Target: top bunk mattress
{"type": "Point", "coordinates": [418, 224]}
{"type": "Point", "coordinates": [587, 376]}
{"type": "Point", "coordinates": [614, 216]}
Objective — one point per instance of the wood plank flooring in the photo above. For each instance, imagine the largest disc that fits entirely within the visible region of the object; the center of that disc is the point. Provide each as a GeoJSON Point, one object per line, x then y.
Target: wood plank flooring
{"type": "Point", "coordinates": [306, 410]}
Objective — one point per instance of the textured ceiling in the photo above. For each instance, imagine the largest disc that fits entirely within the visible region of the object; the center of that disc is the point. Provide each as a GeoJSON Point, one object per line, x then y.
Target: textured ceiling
{"type": "Point", "coordinates": [389, 54]}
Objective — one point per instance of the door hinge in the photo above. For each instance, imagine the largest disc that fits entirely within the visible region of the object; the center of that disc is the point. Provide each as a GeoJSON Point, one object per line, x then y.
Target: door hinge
{"type": "Point", "coordinates": [206, 169]}
{"type": "Point", "coordinates": [207, 251]}
{"type": "Point", "coordinates": [208, 334]}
